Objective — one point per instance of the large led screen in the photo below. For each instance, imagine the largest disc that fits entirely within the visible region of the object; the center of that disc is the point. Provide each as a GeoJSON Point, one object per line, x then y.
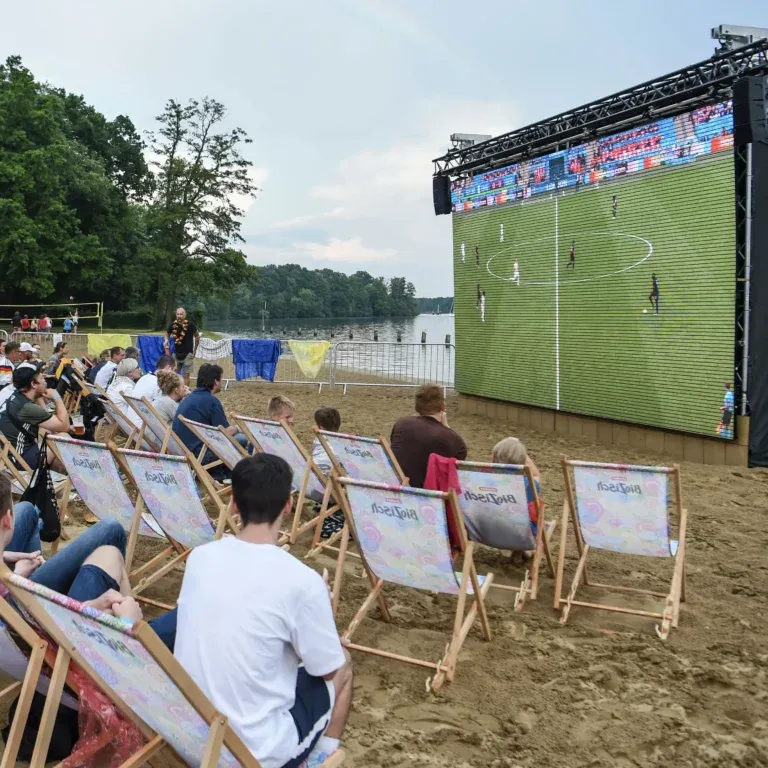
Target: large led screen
{"type": "Point", "coordinates": [600, 280]}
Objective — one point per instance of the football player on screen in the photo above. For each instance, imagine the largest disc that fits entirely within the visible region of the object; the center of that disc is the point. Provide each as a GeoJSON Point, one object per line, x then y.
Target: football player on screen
{"type": "Point", "coordinates": [501, 233]}
{"type": "Point", "coordinates": [572, 256]}
{"type": "Point", "coordinates": [653, 296]}
{"type": "Point", "coordinates": [614, 206]}
{"type": "Point", "coordinates": [516, 273]}
{"type": "Point", "coordinates": [463, 253]}
{"type": "Point", "coordinates": [477, 255]}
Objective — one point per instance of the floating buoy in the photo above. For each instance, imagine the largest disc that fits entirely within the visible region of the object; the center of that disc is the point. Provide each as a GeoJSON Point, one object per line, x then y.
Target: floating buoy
{"type": "Point", "coordinates": [375, 335]}
{"type": "Point", "coordinates": [350, 335]}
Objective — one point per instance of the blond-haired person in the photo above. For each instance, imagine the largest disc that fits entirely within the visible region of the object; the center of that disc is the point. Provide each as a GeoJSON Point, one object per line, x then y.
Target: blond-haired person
{"type": "Point", "coordinates": [281, 408]}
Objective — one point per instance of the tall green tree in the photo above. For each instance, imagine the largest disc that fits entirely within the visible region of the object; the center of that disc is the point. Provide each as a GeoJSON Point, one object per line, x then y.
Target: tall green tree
{"type": "Point", "coordinates": [194, 214]}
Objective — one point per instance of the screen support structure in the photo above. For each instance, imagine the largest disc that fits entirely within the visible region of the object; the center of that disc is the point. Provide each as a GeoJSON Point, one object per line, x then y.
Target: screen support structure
{"type": "Point", "coordinates": [706, 82]}
{"type": "Point", "coordinates": [743, 172]}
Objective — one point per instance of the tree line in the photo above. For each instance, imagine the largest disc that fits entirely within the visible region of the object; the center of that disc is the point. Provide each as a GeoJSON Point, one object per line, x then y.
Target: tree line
{"type": "Point", "coordinates": [83, 213]}
{"type": "Point", "coordinates": [290, 290]}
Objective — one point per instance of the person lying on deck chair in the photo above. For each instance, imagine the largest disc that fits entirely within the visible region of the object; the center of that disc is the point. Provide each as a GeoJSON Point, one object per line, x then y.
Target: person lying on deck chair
{"type": "Point", "coordinates": [259, 638]}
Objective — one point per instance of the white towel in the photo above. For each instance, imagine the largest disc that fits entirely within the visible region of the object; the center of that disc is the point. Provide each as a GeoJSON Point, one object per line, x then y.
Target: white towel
{"type": "Point", "coordinates": [209, 349]}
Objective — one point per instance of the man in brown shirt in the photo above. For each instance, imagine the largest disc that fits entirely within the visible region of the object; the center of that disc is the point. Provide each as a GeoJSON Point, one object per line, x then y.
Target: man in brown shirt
{"type": "Point", "coordinates": [414, 438]}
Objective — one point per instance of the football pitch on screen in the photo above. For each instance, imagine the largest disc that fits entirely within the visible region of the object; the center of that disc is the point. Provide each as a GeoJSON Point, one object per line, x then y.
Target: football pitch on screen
{"type": "Point", "coordinates": [583, 334]}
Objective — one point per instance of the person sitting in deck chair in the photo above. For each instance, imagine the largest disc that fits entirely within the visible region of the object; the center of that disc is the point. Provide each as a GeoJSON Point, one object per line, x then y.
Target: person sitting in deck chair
{"type": "Point", "coordinates": [281, 408]}
{"type": "Point", "coordinates": [148, 386]}
{"type": "Point", "coordinates": [90, 569]}
{"type": "Point", "coordinates": [415, 438]}
{"type": "Point", "coordinates": [510, 450]}
{"type": "Point", "coordinates": [203, 406]}
{"type": "Point", "coordinates": [268, 659]}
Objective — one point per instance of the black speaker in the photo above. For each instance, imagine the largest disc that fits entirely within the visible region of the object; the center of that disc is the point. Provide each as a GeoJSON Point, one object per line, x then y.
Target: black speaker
{"type": "Point", "coordinates": [441, 194]}
{"type": "Point", "coordinates": [749, 119]}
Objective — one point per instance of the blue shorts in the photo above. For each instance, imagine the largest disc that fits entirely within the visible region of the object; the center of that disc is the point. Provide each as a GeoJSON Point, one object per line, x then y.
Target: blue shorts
{"type": "Point", "coordinates": [91, 582]}
{"type": "Point", "coordinates": [311, 713]}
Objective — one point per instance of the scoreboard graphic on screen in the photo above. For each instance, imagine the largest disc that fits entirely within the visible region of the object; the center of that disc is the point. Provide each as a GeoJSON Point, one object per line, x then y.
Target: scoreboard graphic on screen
{"type": "Point", "coordinates": [600, 280]}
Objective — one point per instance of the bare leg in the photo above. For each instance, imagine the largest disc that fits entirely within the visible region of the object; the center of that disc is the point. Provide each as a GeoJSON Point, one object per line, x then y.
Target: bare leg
{"type": "Point", "coordinates": [343, 682]}
{"type": "Point", "coordinates": [110, 560]}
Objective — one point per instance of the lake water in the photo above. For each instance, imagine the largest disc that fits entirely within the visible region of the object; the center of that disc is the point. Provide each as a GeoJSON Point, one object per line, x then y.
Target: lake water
{"type": "Point", "coordinates": [338, 329]}
{"type": "Point", "coordinates": [360, 360]}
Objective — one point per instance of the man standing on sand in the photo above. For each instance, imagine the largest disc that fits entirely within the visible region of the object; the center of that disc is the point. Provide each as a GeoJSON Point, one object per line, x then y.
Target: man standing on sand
{"type": "Point", "coordinates": [186, 338]}
{"type": "Point", "coordinates": [415, 438]}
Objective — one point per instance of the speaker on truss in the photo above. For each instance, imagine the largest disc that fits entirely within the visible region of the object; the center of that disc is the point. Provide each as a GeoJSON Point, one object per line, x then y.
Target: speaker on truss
{"type": "Point", "coordinates": [749, 110]}
{"type": "Point", "coordinates": [441, 194]}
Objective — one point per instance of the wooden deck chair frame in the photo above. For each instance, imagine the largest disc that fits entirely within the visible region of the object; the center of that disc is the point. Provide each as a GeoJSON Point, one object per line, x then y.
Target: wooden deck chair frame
{"type": "Point", "coordinates": [199, 430]}
{"type": "Point", "coordinates": [25, 688]}
{"type": "Point", "coordinates": [181, 552]}
{"type": "Point", "coordinates": [220, 734]}
{"type": "Point", "coordinates": [161, 441]}
{"type": "Point", "coordinates": [297, 527]}
{"type": "Point", "coordinates": [444, 668]}
{"type": "Point", "coordinates": [670, 615]}
{"type": "Point", "coordinates": [139, 511]}
{"type": "Point", "coordinates": [22, 473]}
{"type": "Point", "coordinates": [336, 467]}
{"type": "Point", "coordinates": [529, 587]}
{"type": "Point", "coordinates": [123, 425]}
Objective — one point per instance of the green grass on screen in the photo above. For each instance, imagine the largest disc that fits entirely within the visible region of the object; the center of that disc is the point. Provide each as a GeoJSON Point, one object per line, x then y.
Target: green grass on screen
{"type": "Point", "coordinates": [666, 370]}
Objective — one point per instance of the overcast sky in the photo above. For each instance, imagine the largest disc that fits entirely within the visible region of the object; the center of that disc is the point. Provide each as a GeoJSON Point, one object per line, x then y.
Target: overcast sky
{"type": "Point", "coordinates": [348, 101]}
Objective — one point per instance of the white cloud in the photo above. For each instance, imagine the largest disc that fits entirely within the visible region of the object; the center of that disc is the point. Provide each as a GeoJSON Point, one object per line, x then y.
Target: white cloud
{"type": "Point", "coordinates": [350, 254]}
{"type": "Point", "coordinates": [351, 251]}
{"type": "Point", "coordinates": [298, 222]}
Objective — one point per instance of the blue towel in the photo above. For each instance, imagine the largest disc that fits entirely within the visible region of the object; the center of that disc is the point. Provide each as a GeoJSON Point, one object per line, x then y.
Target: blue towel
{"type": "Point", "coordinates": [255, 357]}
{"type": "Point", "coordinates": [151, 349]}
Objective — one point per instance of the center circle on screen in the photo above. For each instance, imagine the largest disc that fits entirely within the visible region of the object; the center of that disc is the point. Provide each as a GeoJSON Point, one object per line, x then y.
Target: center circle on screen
{"type": "Point", "coordinates": [502, 260]}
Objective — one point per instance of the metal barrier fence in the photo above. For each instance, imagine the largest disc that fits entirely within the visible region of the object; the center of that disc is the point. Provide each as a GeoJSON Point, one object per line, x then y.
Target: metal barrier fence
{"type": "Point", "coordinates": [348, 363]}
{"type": "Point", "coordinates": [390, 364]}
{"type": "Point", "coordinates": [4, 335]}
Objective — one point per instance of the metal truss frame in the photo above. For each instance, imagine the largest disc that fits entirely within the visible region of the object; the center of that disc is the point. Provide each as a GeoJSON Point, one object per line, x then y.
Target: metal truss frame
{"type": "Point", "coordinates": [743, 178]}
{"type": "Point", "coordinates": [707, 82]}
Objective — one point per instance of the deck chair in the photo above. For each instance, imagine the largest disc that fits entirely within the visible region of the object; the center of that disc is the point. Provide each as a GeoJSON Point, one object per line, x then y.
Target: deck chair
{"type": "Point", "coordinates": [126, 427]}
{"type": "Point", "coordinates": [168, 487]}
{"type": "Point", "coordinates": [623, 509]}
{"type": "Point", "coordinates": [402, 534]}
{"type": "Point", "coordinates": [155, 427]}
{"type": "Point", "coordinates": [25, 671]}
{"type": "Point", "coordinates": [277, 438]}
{"type": "Point", "coordinates": [496, 493]}
{"type": "Point", "coordinates": [130, 664]}
{"type": "Point", "coordinates": [362, 458]}
{"type": "Point", "coordinates": [95, 475]}
{"type": "Point", "coordinates": [227, 450]}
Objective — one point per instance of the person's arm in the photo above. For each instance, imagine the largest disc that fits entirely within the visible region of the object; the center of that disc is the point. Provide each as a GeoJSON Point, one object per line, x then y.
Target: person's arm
{"type": "Point", "coordinates": [197, 342]}
{"type": "Point", "coordinates": [534, 469]}
{"type": "Point", "coordinates": [60, 421]}
{"type": "Point", "coordinates": [167, 342]}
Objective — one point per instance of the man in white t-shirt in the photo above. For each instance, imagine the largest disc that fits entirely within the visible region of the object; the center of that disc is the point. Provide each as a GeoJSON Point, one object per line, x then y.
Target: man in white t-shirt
{"type": "Point", "coordinates": [107, 373]}
{"type": "Point", "coordinates": [147, 385]}
{"type": "Point", "coordinates": [256, 630]}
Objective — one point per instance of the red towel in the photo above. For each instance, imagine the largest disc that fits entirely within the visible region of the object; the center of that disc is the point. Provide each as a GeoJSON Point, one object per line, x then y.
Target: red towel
{"type": "Point", "coordinates": [442, 476]}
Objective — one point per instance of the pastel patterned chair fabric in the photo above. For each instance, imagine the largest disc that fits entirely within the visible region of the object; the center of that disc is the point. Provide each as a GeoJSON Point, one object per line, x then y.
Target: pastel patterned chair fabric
{"type": "Point", "coordinates": [626, 510]}
{"type": "Point", "coordinates": [402, 533]}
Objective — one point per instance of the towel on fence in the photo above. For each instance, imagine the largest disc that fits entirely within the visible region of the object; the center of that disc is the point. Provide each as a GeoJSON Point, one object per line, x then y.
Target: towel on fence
{"type": "Point", "coordinates": [255, 357]}
{"type": "Point", "coordinates": [309, 355]}
{"type": "Point", "coordinates": [57, 337]}
{"type": "Point", "coordinates": [97, 342]}
{"type": "Point", "coordinates": [442, 476]}
{"type": "Point", "coordinates": [208, 349]}
{"type": "Point", "coordinates": [151, 348]}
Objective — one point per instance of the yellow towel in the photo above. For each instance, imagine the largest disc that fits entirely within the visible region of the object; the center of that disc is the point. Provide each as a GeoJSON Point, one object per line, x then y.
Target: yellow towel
{"type": "Point", "coordinates": [97, 342]}
{"type": "Point", "coordinates": [309, 355]}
